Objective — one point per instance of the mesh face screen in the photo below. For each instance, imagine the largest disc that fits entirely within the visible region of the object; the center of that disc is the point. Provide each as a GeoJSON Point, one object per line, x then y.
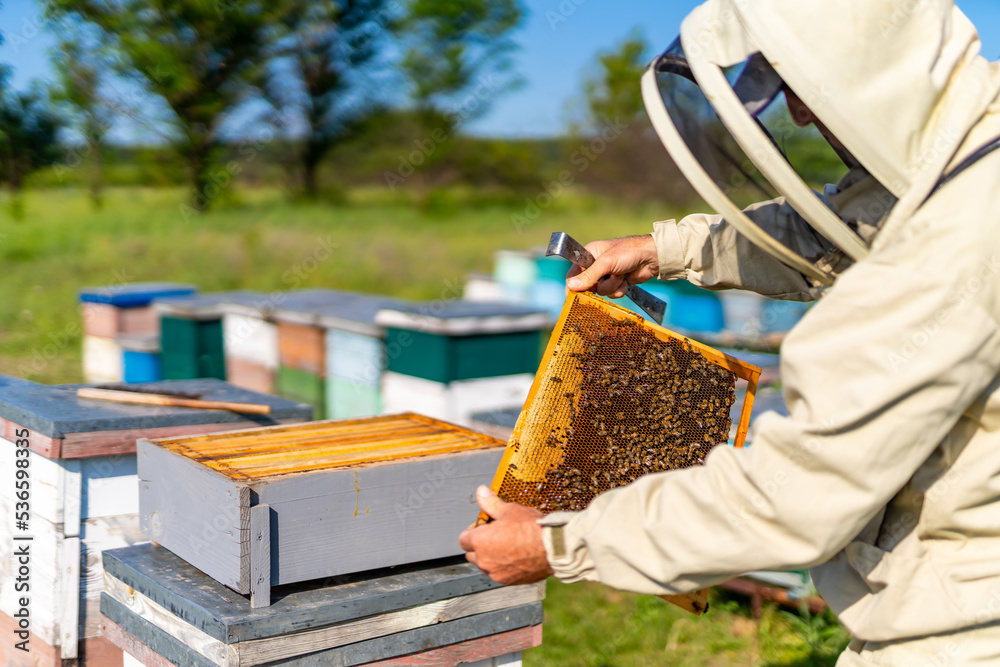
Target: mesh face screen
{"type": "Point", "coordinates": [615, 398]}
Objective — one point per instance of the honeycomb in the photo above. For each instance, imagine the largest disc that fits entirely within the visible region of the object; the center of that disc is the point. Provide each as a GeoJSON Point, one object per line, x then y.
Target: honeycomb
{"type": "Point", "coordinates": [616, 398]}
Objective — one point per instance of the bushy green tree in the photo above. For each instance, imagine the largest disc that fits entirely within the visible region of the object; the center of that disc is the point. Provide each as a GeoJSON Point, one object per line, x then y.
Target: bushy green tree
{"type": "Point", "coordinates": [613, 91]}
{"type": "Point", "coordinates": [614, 151]}
{"type": "Point", "coordinates": [29, 128]}
{"type": "Point", "coordinates": [331, 46]}
{"type": "Point", "coordinates": [79, 67]}
{"type": "Point", "coordinates": [203, 58]}
{"type": "Point", "coordinates": [456, 61]}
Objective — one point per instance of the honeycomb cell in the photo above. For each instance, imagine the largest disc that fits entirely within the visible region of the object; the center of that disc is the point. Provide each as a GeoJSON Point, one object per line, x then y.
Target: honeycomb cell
{"type": "Point", "coordinates": [616, 398]}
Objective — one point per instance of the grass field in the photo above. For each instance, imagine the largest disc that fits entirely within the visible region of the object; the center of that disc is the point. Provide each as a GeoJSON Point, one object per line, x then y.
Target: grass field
{"type": "Point", "coordinates": [255, 240]}
{"type": "Point", "coordinates": [371, 242]}
{"type": "Point", "coordinates": [594, 626]}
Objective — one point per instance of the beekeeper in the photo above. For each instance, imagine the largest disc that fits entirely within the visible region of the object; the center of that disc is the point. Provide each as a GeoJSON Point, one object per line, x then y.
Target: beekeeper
{"type": "Point", "coordinates": [885, 477]}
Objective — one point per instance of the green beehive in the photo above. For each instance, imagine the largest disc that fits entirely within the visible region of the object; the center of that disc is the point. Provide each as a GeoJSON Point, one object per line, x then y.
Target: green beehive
{"type": "Point", "coordinates": [303, 387]}
{"type": "Point", "coordinates": [191, 348]}
{"type": "Point", "coordinates": [191, 334]}
{"type": "Point", "coordinates": [460, 340]}
{"type": "Point", "coordinates": [347, 399]}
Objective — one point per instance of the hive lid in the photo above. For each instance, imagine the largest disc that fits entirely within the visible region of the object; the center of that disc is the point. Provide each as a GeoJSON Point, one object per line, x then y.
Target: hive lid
{"type": "Point", "coordinates": [56, 411]}
{"type": "Point", "coordinates": [9, 381]}
{"type": "Point", "coordinates": [133, 295]}
{"type": "Point", "coordinates": [300, 307]}
{"type": "Point", "coordinates": [460, 317]}
{"type": "Point", "coordinates": [357, 315]}
{"type": "Point", "coordinates": [206, 306]}
{"type": "Point", "coordinates": [257, 454]}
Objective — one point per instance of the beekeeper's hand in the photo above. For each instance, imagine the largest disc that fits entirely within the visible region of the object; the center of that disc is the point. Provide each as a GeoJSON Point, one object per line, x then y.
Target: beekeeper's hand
{"type": "Point", "coordinates": [618, 264]}
{"type": "Point", "coordinates": [509, 549]}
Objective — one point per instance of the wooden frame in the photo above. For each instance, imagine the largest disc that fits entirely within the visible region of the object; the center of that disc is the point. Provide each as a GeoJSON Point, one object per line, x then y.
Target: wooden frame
{"type": "Point", "coordinates": [696, 602]}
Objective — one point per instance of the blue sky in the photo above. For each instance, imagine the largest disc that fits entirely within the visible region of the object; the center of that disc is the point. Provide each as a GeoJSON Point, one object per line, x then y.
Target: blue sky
{"type": "Point", "coordinates": [558, 45]}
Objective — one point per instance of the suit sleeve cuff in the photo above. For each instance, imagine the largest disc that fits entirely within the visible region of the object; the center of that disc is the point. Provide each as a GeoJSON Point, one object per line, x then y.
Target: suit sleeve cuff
{"type": "Point", "coordinates": [568, 556]}
{"type": "Point", "coordinates": [669, 250]}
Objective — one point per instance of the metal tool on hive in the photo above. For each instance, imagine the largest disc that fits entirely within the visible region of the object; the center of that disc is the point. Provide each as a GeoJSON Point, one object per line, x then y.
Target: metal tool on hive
{"type": "Point", "coordinates": [616, 398]}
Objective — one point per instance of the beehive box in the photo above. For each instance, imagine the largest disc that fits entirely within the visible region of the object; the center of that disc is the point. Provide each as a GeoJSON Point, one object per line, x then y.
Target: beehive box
{"type": "Point", "coordinates": [301, 338]}
{"type": "Point", "coordinates": [191, 335]}
{"type": "Point", "coordinates": [102, 359]}
{"type": "Point", "coordinates": [250, 341]}
{"type": "Point", "coordinates": [191, 348]}
{"type": "Point", "coordinates": [347, 399]}
{"type": "Point", "coordinates": [304, 387]}
{"type": "Point", "coordinates": [107, 321]}
{"type": "Point", "coordinates": [454, 401]}
{"type": "Point", "coordinates": [84, 497]}
{"type": "Point", "coordinates": [355, 355]}
{"type": "Point", "coordinates": [447, 341]}
{"type": "Point", "coordinates": [164, 611]}
{"type": "Point", "coordinates": [140, 357]}
{"type": "Point", "coordinates": [251, 375]}
{"type": "Point", "coordinates": [114, 309]}
{"type": "Point", "coordinates": [279, 505]}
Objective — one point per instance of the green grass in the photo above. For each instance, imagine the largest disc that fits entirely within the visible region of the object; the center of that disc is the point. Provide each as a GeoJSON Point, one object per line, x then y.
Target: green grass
{"type": "Point", "coordinates": [373, 242]}
{"type": "Point", "coordinates": [592, 626]}
{"type": "Point", "coordinates": [256, 239]}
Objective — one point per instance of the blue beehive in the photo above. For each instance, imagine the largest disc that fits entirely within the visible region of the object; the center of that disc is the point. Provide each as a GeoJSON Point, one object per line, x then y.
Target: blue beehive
{"type": "Point", "coordinates": [140, 357]}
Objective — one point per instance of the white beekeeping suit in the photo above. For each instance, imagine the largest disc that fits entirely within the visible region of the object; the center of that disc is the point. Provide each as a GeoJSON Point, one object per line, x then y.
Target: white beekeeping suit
{"type": "Point", "coordinates": [885, 476]}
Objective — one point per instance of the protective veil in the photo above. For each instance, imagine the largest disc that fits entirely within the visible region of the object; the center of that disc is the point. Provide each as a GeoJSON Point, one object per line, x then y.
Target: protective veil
{"type": "Point", "coordinates": [885, 476]}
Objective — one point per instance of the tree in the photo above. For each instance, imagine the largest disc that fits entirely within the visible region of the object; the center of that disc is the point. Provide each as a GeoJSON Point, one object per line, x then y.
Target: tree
{"type": "Point", "coordinates": [456, 60]}
{"type": "Point", "coordinates": [201, 57]}
{"type": "Point", "coordinates": [613, 92]}
{"type": "Point", "coordinates": [331, 43]}
{"type": "Point", "coordinates": [616, 152]}
{"type": "Point", "coordinates": [28, 139]}
{"type": "Point", "coordinates": [78, 68]}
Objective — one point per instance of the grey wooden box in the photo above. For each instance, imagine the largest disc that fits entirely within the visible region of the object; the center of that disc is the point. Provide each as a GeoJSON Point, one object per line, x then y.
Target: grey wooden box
{"type": "Point", "coordinates": [158, 606]}
{"type": "Point", "coordinates": [285, 504]}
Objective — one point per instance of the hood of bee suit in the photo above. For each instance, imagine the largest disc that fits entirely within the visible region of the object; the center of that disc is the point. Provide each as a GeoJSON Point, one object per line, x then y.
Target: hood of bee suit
{"type": "Point", "coordinates": [900, 84]}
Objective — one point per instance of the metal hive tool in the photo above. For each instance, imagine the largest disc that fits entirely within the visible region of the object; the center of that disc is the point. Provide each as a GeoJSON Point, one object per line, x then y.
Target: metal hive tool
{"type": "Point", "coordinates": [615, 398]}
